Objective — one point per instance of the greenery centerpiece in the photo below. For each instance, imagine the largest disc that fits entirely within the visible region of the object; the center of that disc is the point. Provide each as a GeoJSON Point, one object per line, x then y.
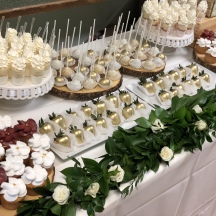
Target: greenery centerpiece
{"type": "Point", "coordinates": [130, 154]}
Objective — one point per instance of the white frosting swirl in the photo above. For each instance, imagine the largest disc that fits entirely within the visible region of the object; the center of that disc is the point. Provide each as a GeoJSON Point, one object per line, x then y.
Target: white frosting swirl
{"type": "Point", "coordinates": [154, 15]}
{"type": "Point", "coordinates": [43, 158]}
{"type": "Point", "coordinates": [5, 121]}
{"type": "Point", "coordinates": [191, 14]}
{"type": "Point", "coordinates": [26, 37]}
{"type": "Point", "coordinates": [183, 21]}
{"type": "Point", "coordinates": [46, 55]}
{"type": "Point", "coordinates": [212, 51]}
{"type": "Point", "coordinates": [37, 62]}
{"type": "Point", "coordinates": [186, 7]}
{"type": "Point", "coordinates": [35, 176]}
{"type": "Point", "coordinates": [203, 42]}
{"type": "Point", "coordinates": [20, 149]}
{"type": "Point", "coordinates": [28, 54]}
{"type": "Point", "coordinates": [13, 189]}
{"type": "Point", "coordinates": [3, 61]}
{"type": "Point", "coordinates": [30, 46]}
{"type": "Point", "coordinates": [203, 6]}
{"type": "Point", "coordinates": [13, 165]}
{"type": "Point", "coordinates": [2, 150]}
{"type": "Point", "coordinates": [10, 34]}
{"type": "Point", "coordinates": [38, 41]}
{"type": "Point", "coordinates": [12, 54]}
{"type": "Point", "coordinates": [19, 64]}
{"type": "Point", "coordinates": [38, 142]}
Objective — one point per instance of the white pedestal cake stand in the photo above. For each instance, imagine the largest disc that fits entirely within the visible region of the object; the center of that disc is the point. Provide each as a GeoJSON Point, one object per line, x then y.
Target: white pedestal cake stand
{"type": "Point", "coordinates": [170, 41]}
{"type": "Point", "coordinates": [19, 96]}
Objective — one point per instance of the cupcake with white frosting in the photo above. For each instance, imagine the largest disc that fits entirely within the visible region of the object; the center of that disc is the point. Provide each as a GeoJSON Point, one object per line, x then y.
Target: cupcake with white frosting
{"type": "Point", "coordinates": [210, 55]}
{"type": "Point", "coordinates": [2, 152]}
{"type": "Point", "coordinates": [12, 193]}
{"type": "Point", "coordinates": [39, 142]}
{"type": "Point", "coordinates": [13, 166]}
{"type": "Point", "coordinates": [5, 121]}
{"type": "Point", "coordinates": [147, 9]}
{"type": "Point", "coordinates": [182, 26]}
{"type": "Point", "coordinates": [202, 45]}
{"type": "Point", "coordinates": [11, 33]}
{"type": "Point", "coordinates": [4, 69]}
{"type": "Point", "coordinates": [166, 24]}
{"type": "Point", "coordinates": [38, 41]}
{"type": "Point", "coordinates": [19, 149]}
{"type": "Point", "coordinates": [33, 178]}
{"type": "Point", "coordinates": [154, 18]}
{"type": "Point", "coordinates": [43, 158]}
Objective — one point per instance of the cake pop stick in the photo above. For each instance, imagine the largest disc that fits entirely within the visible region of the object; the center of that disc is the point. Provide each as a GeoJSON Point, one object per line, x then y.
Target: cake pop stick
{"type": "Point", "coordinates": [80, 59]}
{"type": "Point", "coordinates": [54, 26]}
{"type": "Point", "coordinates": [141, 40]}
{"type": "Point", "coordinates": [102, 44]}
{"type": "Point", "coordinates": [73, 37]}
{"type": "Point", "coordinates": [121, 31]}
{"type": "Point", "coordinates": [21, 30]}
{"type": "Point", "coordinates": [66, 35]}
{"type": "Point", "coordinates": [39, 30]}
{"type": "Point", "coordinates": [32, 24]}
{"type": "Point", "coordinates": [7, 26]}
{"type": "Point", "coordinates": [89, 37]}
{"type": "Point", "coordinates": [18, 22]}
{"type": "Point", "coordinates": [148, 33]}
{"type": "Point", "coordinates": [138, 26]}
{"type": "Point", "coordinates": [45, 28]}
{"type": "Point", "coordinates": [61, 58]}
{"type": "Point", "coordinates": [79, 34]}
{"type": "Point", "coordinates": [131, 28]}
{"type": "Point", "coordinates": [93, 30]}
{"type": "Point", "coordinates": [58, 40]}
{"type": "Point", "coordinates": [2, 22]}
{"type": "Point", "coordinates": [68, 49]}
{"type": "Point", "coordinates": [118, 24]}
{"type": "Point", "coordinates": [126, 24]}
{"type": "Point", "coordinates": [112, 39]}
{"type": "Point", "coordinates": [24, 27]}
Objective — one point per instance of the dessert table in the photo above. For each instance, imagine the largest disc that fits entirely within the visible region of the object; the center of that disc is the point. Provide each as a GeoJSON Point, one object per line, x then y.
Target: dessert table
{"type": "Point", "coordinates": [185, 188]}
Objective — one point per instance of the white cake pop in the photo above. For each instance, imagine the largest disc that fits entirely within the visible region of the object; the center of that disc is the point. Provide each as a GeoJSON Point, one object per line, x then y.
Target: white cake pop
{"type": "Point", "coordinates": [89, 83]}
{"type": "Point", "coordinates": [135, 63]}
{"type": "Point", "coordinates": [74, 85]}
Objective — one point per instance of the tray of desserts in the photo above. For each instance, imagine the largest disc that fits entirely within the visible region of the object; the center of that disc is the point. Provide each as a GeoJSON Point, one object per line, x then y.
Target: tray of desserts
{"type": "Point", "coordinates": [182, 79]}
{"type": "Point", "coordinates": [83, 127]}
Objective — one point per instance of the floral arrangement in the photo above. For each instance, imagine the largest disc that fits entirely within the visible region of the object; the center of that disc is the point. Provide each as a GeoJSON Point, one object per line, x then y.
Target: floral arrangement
{"type": "Point", "coordinates": [130, 154]}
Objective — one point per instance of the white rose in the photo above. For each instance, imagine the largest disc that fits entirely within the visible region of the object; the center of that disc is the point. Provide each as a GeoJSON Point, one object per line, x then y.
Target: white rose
{"type": "Point", "coordinates": [61, 194]}
{"type": "Point", "coordinates": [166, 153]}
{"type": "Point", "coordinates": [201, 125]}
{"type": "Point", "coordinates": [119, 176]}
{"type": "Point", "coordinates": [197, 109]}
{"type": "Point", "coordinates": [157, 126]}
{"type": "Point", "coordinates": [92, 189]}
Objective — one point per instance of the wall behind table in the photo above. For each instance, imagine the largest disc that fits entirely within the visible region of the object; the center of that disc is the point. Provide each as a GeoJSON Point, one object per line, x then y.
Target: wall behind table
{"type": "Point", "coordinates": [106, 13]}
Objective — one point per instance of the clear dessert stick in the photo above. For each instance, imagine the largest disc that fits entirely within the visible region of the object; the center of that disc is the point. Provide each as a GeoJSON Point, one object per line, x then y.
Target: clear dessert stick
{"type": "Point", "coordinates": [7, 26]}
{"type": "Point", "coordinates": [21, 30]}
{"type": "Point", "coordinates": [79, 34]}
{"type": "Point", "coordinates": [66, 35]}
{"type": "Point", "coordinates": [32, 24]}
{"type": "Point", "coordinates": [2, 22]}
{"type": "Point", "coordinates": [93, 30]}
{"type": "Point", "coordinates": [53, 40]}
{"type": "Point", "coordinates": [126, 24]}
{"type": "Point", "coordinates": [80, 59]}
{"type": "Point", "coordinates": [39, 30]}
{"type": "Point", "coordinates": [51, 36]}
{"type": "Point", "coordinates": [141, 40]}
{"type": "Point", "coordinates": [118, 24]}
{"type": "Point", "coordinates": [44, 46]}
{"type": "Point", "coordinates": [131, 28]}
{"type": "Point", "coordinates": [102, 43]}
{"type": "Point", "coordinates": [73, 37]}
{"type": "Point", "coordinates": [59, 34]}
{"type": "Point", "coordinates": [18, 22]}
{"type": "Point", "coordinates": [144, 29]}
{"type": "Point", "coordinates": [54, 26]}
{"type": "Point", "coordinates": [112, 39]}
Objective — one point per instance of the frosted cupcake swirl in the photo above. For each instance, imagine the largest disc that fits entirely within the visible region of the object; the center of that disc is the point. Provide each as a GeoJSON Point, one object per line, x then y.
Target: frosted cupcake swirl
{"type": "Point", "coordinates": [13, 189]}
{"type": "Point", "coordinates": [43, 158]}
{"type": "Point", "coordinates": [38, 41]}
{"type": "Point", "coordinates": [2, 150]}
{"type": "Point", "coordinates": [19, 64]}
{"type": "Point", "coordinates": [12, 54]}
{"type": "Point", "coordinates": [37, 62]}
{"type": "Point", "coordinates": [203, 6]}
{"type": "Point", "coordinates": [35, 176]}
{"type": "Point", "coordinates": [20, 149]}
{"type": "Point", "coordinates": [5, 121]}
{"type": "Point", "coordinates": [203, 42]}
{"type": "Point", "coordinates": [26, 37]}
{"type": "Point", "coordinates": [13, 166]}
{"type": "Point", "coordinates": [38, 142]}
{"type": "Point", "coordinates": [212, 51]}
{"type": "Point", "coordinates": [10, 34]}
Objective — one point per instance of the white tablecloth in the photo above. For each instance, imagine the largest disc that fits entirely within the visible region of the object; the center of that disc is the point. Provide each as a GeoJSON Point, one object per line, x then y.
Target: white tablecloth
{"type": "Point", "coordinates": [185, 188]}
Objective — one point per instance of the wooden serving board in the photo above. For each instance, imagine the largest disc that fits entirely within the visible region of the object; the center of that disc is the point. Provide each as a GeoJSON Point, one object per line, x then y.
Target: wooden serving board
{"type": "Point", "coordinates": [140, 72]}
{"type": "Point", "coordinates": [5, 212]}
{"type": "Point", "coordinates": [199, 58]}
{"type": "Point", "coordinates": [85, 94]}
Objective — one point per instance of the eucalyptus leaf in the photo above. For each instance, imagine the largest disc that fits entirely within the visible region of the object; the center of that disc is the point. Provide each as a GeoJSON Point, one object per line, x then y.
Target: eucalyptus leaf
{"type": "Point", "coordinates": [56, 209]}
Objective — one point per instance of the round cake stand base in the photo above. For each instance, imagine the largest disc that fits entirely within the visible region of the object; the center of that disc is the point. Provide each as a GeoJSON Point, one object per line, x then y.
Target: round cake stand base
{"type": "Point", "coordinates": [15, 104]}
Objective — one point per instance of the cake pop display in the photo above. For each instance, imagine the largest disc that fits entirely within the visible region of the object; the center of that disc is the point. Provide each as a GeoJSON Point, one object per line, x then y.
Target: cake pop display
{"type": "Point", "coordinates": [89, 83]}
{"type": "Point", "coordinates": [76, 52]}
{"type": "Point", "coordinates": [69, 60]}
{"type": "Point", "coordinates": [67, 71]}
